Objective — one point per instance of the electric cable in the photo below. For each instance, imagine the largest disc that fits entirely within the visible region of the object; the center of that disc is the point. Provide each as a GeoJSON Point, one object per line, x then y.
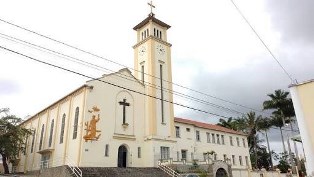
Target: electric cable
{"type": "Point", "coordinates": [264, 44]}
{"type": "Point", "coordinates": [91, 65]}
{"type": "Point", "coordinates": [109, 83]}
{"type": "Point", "coordinates": [98, 56]}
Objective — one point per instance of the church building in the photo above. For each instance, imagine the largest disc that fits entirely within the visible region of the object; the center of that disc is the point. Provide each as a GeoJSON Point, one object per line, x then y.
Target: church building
{"type": "Point", "coordinates": [127, 120]}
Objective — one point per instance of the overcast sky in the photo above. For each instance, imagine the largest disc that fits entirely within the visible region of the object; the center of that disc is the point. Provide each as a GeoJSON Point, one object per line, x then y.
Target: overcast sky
{"type": "Point", "coordinates": [214, 51]}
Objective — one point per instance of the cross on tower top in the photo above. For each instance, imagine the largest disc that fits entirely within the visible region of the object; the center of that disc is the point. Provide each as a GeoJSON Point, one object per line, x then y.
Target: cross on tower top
{"type": "Point", "coordinates": [151, 6]}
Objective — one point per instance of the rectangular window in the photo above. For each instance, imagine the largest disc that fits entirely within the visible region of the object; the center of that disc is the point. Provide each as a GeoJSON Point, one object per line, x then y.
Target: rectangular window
{"type": "Point", "coordinates": [233, 160]}
{"type": "Point", "coordinates": [161, 94]}
{"type": "Point", "coordinates": [246, 160]}
{"type": "Point", "coordinates": [243, 140]}
{"type": "Point", "coordinates": [240, 160]}
{"type": "Point", "coordinates": [238, 141]}
{"type": "Point", "coordinates": [218, 139]}
{"type": "Point", "coordinates": [231, 141]}
{"type": "Point", "coordinates": [177, 131]}
{"type": "Point", "coordinates": [143, 73]}
{"type": "Point", "coordinates": [213, 138]}
{"type": "Point", "coordinates": [139, 152]}
{"type": "Point", "coordinates": [188, 129]}
{"type": "Point", "coordinates": [192, 156]}
{"type": "Point", "coordinates": [215, 156]}
{"type": "Point", "coordinates": [208, 137]}
{"type": "Point", "coordinates": [178, 156]}
{"type": "Point", "coordinates": [107, 150]}
{"type": "Point", "coordinates": [222, 139]}
{"type": "Point", "coordinates": [183, 154]}
{"type": "Point", "coordinates": [225, 157]}
{"type": "Point", "coordinates": [164, 152]}
{"type": "Point", "coordinates": [198, 138]}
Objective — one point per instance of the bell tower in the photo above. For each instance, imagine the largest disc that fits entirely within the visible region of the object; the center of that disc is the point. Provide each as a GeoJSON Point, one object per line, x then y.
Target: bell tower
{"type": "Point", "coordinates": [152, 62]}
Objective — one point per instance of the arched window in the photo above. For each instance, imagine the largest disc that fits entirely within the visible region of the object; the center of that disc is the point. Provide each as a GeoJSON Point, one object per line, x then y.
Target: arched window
{"type": "Point", "coordinates": [62, 128]}
{"type": "Point", "coordinates": [77, 110]}
{"type": "Point", "coordinates": [157, 31]}
{"type": "Point", "coordinates": [160, 34]}
{"type": "Point", "coordinates": [41, 136]}
{"type": "Point", "coordinates": [154, 31]}
{"type": "Point", "coordinates": [142, 35]}
{"type": "Point", "coordinates": [33, 141]}
{"type": "Point", "coordinates": [147, 32]}
{"type": "Point", "coordinates": [51, 133]}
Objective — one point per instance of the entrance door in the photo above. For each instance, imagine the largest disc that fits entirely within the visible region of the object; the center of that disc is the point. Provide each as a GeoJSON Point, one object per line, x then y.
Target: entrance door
{"type": "Point", "coordinates": [44, 161]}
{"type": "Point", "coordinates": [221, 173]}
{"type": "Point", "coordinates": [122, 156]}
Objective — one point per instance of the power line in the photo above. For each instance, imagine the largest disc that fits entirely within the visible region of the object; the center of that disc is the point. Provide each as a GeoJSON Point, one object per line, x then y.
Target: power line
{"type": "Point", "coordinates": [95, 55]}
{"type": "Point", "coordinates": [109, 83]}
{"type": "Point", "coordinates": [261, 40]}
{"type": "Point", "coordinates": [94, 66]}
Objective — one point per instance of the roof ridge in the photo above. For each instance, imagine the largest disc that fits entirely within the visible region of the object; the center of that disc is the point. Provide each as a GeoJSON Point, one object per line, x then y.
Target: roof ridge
{"type": "Point", "coordinates": [206, 125]}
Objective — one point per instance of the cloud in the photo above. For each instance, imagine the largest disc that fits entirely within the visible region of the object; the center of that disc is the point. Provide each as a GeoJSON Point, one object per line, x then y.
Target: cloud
{"type": "Point", "coordinates": [8, 87]}
{"type": "Point", "coordinates": [293, 19]}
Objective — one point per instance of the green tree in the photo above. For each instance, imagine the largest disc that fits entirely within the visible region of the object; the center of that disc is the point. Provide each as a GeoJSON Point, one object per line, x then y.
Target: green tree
{"type": "Point", "coordinates": [261, 158]}
{"type": "Point", "coordinates": [12, 138]}
{"type": "Point", "coordinates": [283, 162]}
{"type": "Point", "coordinates": [283, 110]}
{"type": "Point", "coordinates": [251, 124]}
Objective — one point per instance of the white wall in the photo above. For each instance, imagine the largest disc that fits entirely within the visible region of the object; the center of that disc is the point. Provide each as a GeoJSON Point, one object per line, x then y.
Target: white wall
{"type": "Point", "coordinates": [187, 141]}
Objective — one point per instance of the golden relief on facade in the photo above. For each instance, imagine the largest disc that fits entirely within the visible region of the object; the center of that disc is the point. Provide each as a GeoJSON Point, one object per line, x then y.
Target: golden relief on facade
{"type": "Point", "coordinates": [90, 126]}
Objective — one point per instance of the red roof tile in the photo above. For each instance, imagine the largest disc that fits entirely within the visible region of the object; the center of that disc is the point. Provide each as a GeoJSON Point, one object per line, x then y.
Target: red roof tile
{"type": "Point", "coordinates": [207, 126]}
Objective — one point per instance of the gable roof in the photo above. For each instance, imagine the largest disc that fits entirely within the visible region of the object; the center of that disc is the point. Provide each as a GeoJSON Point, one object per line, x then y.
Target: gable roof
{"type": "Point", "coordinates": [151, 17]}
{"type": "Point", "coordinates": [119, 73]}
{"type": "Point", "coordinates": [208, 126]}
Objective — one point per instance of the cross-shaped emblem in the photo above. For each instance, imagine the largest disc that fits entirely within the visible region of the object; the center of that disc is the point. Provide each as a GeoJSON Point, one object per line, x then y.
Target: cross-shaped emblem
{"type": "Point", "coordinates": [151, 6]}
{"type": "Point", "coordinates": [124, 104]}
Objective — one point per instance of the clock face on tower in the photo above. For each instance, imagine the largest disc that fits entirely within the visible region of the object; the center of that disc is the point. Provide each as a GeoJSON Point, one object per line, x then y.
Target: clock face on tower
{"type": "Point", "coordinates": [160, 49]}
{"type": "Point", "coordinates": [142, 51]}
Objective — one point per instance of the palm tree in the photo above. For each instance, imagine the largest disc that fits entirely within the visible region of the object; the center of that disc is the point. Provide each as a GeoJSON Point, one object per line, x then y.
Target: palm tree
{"type": "Point", "coordinates": [251, 122]}
{"type": "Point", "coordinates": [265, 124]}
{"type": "Point", "coordinates": [228, 124]}
{"type": "Point", "coordinates": [283, 110]}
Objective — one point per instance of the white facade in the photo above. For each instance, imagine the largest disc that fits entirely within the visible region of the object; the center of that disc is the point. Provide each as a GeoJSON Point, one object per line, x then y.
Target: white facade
{"type": "Point", "coordinates": [125, 120]}
{"type": "Point", "coordinates": [196, 139]}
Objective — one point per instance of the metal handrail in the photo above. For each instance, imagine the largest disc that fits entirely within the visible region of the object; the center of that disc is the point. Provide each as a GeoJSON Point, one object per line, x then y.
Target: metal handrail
{"type": "Point", "coordinates": [75, 169]}
{"type": "Point", "coordinates": [168, 170]}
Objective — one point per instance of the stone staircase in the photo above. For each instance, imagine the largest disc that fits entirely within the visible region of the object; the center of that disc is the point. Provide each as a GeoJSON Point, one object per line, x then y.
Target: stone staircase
{"type": "Point", "coordinates": [122, 172]}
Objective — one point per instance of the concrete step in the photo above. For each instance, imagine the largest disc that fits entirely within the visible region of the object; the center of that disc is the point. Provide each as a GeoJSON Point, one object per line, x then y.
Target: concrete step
{"type": "Point", "coordinates": [122, 172]}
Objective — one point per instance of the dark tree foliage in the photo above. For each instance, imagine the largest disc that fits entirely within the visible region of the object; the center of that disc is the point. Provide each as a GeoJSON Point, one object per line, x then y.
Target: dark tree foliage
{"type": "Point", "coordinates": [12, 138]}
{"type": "Point", "coordinates": [283, 162]}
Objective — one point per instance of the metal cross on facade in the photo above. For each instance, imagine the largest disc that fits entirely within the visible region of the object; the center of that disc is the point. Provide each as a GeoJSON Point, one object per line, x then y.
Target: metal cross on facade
{"type": "Point", "coordinates": [151, 6]}
{"type": "Point", "coordinates": [124, 104]}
